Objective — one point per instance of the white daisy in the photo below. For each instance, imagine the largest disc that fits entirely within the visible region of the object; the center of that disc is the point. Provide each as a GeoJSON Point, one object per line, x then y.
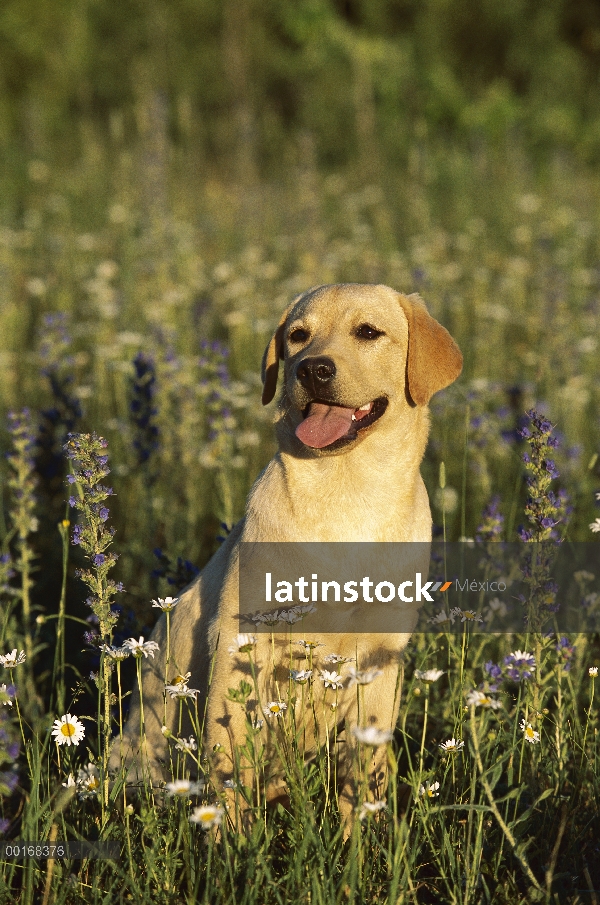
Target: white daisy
{"type": "Point", "coordinates": [371, 735]}
{"type": "Point", "coordinates": [442, 618]}
{"type": "Point", "coordinates": [166, 605]}
{"type": "Point", "coordinates": [269, 619]}
{"type": "Point", "coordinates": [207, 816]}
{"type": "Point", "coordinates": [430, 790]}
{"type": "Point", "coordinates": [479, 699]}
{"type": "Point", "coordinates": [231, 784]}
{"type": "Point", "coordinates": [242, 644]}
{"type": "Point", "coordinates": [179, 691]}
{"type": "Point", "coordinates": [141, 648]}
{"type": "Point", "coordinates": [496, 607]}
{"type": "Point", "coordinates": [274, 708]}
{"type": "Point", "coordinates": [531, 734]}
{"type": "Point", "coordinates": [335, 658]}
{"type": "Point", "coordinates": [467, 615]}
{"type": "Point", "coordinates": [593, 671]}
{"type": "Point", "coordinates": [257, 723]}
{"type": "Point", "coordinates": [370, 807]}
{"type": "Point", "coordinates": [310, 645]}
{"type": "Point", "coordinates": [301, 676]}
{"type": "Point", "coordinates": [290, 616]}
{"type": "Point", "coordinates": [428, 675]}
{"type": "Point", "coordinates": [186, 745]}
{"type": "Point", "coordinates": [303, 609]}
{"type": "Point", "coordinates": [88, 781]}
{"type": "Point", "coordinates": [522, 658]}
{"type": "Point", "coordinates": [9, 697]}
{"type": "Point", "coordinates": [115, 653]}
{"type": "Point", "coordinates": [356, 677]}
{"type": "Point", "coordinates": [595, 526]}
{"type": "Point", "coordinates": [181, 788]}
{"type": "Point", "coordinates": [9, 661]}
{"type": "Point", "coordinates": [452, 745]}
{"type": "Point", "coordinates": [70, 783]}
{"type": "Point", "coordinates": [331, 679]}
{"type": "Point", "coordinates": [68, 730]}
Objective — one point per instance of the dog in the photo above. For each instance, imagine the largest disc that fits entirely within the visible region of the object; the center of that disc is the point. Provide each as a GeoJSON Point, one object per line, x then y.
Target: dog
{"type": "Point", "coordinates": [360, 363]}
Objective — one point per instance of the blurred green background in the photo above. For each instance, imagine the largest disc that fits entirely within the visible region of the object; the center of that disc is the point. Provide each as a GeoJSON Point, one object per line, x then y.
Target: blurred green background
{"type": "Point", "coordinates": [239, 87]}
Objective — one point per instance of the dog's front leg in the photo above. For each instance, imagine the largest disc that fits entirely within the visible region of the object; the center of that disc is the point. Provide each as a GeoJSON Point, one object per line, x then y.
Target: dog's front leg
{"type": "Point", "coordinates": [364, 767]}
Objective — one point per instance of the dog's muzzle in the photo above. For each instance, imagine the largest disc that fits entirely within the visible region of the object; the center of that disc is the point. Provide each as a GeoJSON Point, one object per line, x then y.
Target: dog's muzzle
{"type": "Point", "coordinates": [314, 374]}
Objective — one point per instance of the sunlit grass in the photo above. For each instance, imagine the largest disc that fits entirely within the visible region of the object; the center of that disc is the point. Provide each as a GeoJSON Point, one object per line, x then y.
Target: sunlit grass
{"type": "Point", "coordinates": [493, 773]}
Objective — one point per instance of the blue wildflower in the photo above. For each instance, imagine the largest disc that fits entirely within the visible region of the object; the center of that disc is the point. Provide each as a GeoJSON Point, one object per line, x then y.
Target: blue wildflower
{"type": "Point", "coordinates": [143, 411]}
{"type": "Point", "coordinates": [566, 652]}
{"type": "Point", "coordinates": [492, 522]}
{"type": "Point", "coordinates": [90, 465]}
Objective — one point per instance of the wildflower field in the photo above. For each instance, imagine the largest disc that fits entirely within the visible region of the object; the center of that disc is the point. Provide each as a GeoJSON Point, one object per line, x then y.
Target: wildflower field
{"type": "Point", "coordinates": [133, 431]}
{"type": "Point", "coordinates": [159, 209]}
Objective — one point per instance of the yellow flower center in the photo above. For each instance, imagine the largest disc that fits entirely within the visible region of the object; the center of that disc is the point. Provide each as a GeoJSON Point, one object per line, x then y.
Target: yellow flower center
{"type": "Point", "coordinates": [68, 729]}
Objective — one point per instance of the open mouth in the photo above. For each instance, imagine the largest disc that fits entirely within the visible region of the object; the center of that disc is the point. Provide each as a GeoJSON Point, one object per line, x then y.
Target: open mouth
{"type": "Point", "coordinates": [326, 425]}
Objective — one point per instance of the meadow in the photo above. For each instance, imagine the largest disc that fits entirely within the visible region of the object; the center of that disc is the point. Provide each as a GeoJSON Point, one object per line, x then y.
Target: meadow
{"type": "Point", "coordinates": [143, 324]}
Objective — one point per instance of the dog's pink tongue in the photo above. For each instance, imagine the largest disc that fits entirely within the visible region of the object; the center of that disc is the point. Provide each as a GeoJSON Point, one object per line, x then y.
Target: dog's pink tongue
{"type": "Point", "coordinates": [324, 424]}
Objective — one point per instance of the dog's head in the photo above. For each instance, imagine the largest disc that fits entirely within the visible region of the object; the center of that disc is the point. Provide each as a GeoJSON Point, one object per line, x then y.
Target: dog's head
{"type": "Point", "coordinates": [354, 354]}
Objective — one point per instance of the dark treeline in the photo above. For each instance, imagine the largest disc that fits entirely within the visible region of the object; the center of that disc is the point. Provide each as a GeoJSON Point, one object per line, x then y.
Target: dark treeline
{"type": "Point", "coordinates": [247, 83]}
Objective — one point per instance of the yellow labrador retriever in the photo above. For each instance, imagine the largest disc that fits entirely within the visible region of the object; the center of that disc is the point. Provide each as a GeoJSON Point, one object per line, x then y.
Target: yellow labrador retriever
{"type": "Point", "coordinates": [361, 363]}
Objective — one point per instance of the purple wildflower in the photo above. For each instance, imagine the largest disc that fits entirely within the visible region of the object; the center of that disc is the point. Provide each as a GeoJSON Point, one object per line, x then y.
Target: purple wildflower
{"type": "Point", "coordinates": [91, 638]}
{"type": "Point", "coordinates": [519, 665]}
{"type": "Point", "coordinates": [492, 522]}
{"type": "Point", "coordinates": [143, 410]}
{"type": "Point", "coordinates": [90, 465]}
{"type": "Point", "coordinates": [494, 672]}
{"type": "Point", "coordinates": [566, 652]}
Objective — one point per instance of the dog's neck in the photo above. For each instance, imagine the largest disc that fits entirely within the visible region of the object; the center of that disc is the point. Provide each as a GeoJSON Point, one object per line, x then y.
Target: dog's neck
{"type": "Point", "coordinates": [370, 493]}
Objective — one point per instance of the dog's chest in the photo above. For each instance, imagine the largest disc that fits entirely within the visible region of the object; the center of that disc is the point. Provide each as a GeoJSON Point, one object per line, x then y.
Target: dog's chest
{"type": "Point", "coordinates": [306, 503]}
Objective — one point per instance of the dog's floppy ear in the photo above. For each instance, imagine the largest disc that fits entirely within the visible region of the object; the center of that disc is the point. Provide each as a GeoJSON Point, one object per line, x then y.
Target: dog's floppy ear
{"type": "Point", "coordinates": [434, 359]}
{"type": "Point", "coordinates": [270, 361]}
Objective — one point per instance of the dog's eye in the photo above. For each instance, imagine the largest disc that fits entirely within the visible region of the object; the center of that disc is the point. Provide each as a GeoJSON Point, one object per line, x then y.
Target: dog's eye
{"type": "Point", "coordinates": [366, 331]}
{"type": "Point", "coordinates": [298, 336]}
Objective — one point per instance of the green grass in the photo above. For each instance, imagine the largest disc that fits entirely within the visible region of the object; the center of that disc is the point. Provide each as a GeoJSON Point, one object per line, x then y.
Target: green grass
{"type": "Point", "coordinates": [508, 261]}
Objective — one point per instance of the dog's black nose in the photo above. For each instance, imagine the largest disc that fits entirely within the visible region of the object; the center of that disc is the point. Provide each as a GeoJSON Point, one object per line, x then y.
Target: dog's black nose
{"type": "Point", "coordinates": [315, 373]}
